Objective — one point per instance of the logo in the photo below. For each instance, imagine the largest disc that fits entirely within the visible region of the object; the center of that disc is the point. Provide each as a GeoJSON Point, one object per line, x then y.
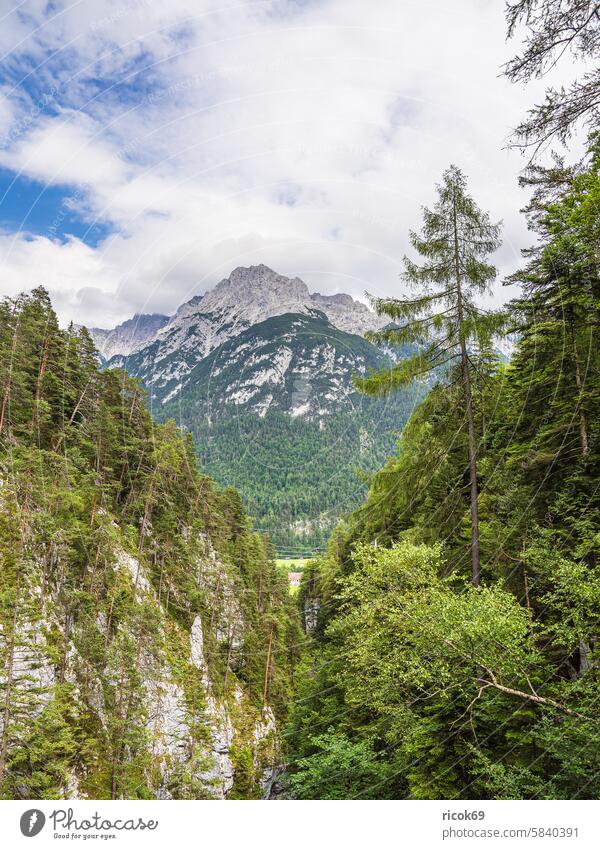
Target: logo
{"type": "Point", "coordinates": [32, 822]}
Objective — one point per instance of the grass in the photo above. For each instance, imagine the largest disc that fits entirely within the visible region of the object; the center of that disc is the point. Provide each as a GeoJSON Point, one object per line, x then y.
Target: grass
{"type": "Point", "coordinates": [296, 564]}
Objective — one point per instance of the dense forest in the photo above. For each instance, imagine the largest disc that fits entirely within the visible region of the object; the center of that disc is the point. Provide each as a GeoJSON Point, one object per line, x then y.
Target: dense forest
{"type": "Point", "coordinates": [146, 638]}
{"type": "Point", "coordinates": [292, 470]}
{"type": "Point", "coordinates": [453, 650]}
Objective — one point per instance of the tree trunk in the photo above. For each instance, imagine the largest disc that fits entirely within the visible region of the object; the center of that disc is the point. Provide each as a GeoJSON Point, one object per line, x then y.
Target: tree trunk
{"type": "Point", "coordinates": [144, 525]}
{"type": "Point", "coordinates": [583, 430]}
{"type": "Point", "coordinates": [61, 435]}
{"type": "Point", "coordinates": [40, 377]}
{"type": "Point", "coordinates": [540, 700]}
{"type": "Point", "coordinates": [475, 564]}
{"type": "Point", "coordinates": [267, 669]}
{"type": "Point", "coordinates": [7, 385]}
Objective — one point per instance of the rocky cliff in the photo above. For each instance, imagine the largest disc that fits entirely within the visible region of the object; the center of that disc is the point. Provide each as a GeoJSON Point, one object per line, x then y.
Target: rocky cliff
{"type": "Point", "coordinates": [126, 337]}
{"type": "Point", "coordinates": [189, 729]}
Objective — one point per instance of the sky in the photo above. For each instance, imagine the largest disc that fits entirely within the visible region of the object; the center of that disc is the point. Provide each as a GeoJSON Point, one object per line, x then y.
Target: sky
{"type": "Point", "coordinates": [148, 147]}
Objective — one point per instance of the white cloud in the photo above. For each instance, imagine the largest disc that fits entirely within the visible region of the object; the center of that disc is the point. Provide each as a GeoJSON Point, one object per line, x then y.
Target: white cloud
{"type": "Point", "coordinates": [66, 149]}
{"type": "Point", "coordinates": [302, 135]}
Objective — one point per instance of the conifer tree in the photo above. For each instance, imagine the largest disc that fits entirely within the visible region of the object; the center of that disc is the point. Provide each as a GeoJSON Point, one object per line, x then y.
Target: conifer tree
{"type": "Point", "coordinates": [553, 377]}
{"type": "Point", "coordinates": [556, 29]}
{"type": "Point", "coordinates": [443, 319]}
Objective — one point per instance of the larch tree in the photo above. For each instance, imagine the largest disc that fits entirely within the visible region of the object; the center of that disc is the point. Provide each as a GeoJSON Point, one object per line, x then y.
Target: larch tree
{"type": "Point", "coordinates": [443, 319]}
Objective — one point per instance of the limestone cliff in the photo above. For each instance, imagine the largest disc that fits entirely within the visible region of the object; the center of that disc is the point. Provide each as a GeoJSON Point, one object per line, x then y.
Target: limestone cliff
{"type": "Point", "coordinates": [190, 725]}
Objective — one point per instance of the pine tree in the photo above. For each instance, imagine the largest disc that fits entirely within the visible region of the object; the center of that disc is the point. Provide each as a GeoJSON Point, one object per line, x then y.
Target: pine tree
{"type": "Point", "coordinates": [443, 319]}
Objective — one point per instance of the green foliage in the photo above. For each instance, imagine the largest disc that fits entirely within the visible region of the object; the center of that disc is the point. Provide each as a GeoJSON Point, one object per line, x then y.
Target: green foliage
{"type": "Point", "coordinates": [486, 692]}
{"type": "Point", "coordinates": [554, 29]}
{"type": "Point", "coordinates": [340, 769]}
{"type": "Point", "coordinates": [422, 491]}
{"type": "Point", "coordinates": [455, 335]}
{"type": "Point", "coordinates": [40, 767]}
{"type": "Point", "coordinates": [455, 240]}
{"type": "Point", "coordinates": [299, 477]}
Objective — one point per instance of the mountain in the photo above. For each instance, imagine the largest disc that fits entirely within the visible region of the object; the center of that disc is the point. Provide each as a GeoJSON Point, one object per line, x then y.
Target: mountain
{"type": "Point", "coordinates": [261, 368]}
{"type": "Point", "coordinates": [274, 413]}
{"type": "Point", "coordinates": [247, 297]}
{"type": "Point", "coordinates": [126, 337]}
{"type": "Point", "coordinates": [300, 364]}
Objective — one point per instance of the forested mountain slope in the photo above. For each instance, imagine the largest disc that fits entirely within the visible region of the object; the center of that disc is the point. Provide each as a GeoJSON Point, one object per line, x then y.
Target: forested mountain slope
{"type": "Point", "coordinates": [274, 412]}
{"type": "Point", "coordinates": [146, 639]}
{"type": "Point", "coordinates": [419, 684]}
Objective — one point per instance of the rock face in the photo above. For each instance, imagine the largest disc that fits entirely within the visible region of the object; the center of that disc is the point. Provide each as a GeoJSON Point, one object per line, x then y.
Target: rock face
{"type": "Point", "coordinates": [293, 363]}
{"type": "Point", "coordinates": [191, 732]}
{"type": "Point", "coordinates": [126, 337]}
{"type": "Point", "coordinates": [347, 314]}
{"type": "Point", "coordinates": [252, 295]}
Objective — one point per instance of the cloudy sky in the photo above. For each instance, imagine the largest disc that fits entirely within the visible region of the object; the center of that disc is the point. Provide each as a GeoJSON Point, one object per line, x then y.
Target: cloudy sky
{"type": "Point", "coordinates": [148, 147]}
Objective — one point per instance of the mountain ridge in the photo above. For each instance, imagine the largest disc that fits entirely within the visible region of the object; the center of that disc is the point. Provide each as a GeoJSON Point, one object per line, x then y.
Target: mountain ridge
{"type": "Point", "coordinates": [127, 336]}
{"type": "Point", "coordinates": [249, 295]}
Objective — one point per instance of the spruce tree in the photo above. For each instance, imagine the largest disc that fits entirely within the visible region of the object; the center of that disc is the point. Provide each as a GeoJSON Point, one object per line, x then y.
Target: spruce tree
{"type": "Point", "coordinates": [443, 319]}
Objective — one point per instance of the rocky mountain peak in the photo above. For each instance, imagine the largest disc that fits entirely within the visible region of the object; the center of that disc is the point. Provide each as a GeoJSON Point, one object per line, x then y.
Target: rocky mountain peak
{"type": "Point", "coordinates": [260, 290]}
{"type": "Point", "coordinates": [250, 295]}
{"type": "Point", "coordinates": [255, 293]}
{"type": "Point", "coordinates": [188, 307]}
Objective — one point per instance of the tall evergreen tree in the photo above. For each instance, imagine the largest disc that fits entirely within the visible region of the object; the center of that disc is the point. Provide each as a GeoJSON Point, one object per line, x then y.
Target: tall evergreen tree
{"type": "Point", "coordinates": [443, 319]}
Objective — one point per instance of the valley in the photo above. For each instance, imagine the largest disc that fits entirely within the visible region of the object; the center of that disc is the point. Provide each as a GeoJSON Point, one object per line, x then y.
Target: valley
{"type": "Point", "coordinates": [261, 373]}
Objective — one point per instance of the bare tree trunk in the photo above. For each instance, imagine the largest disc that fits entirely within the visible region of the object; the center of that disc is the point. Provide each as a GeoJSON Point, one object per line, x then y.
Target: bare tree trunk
{"type": "Point", "coordinates": [267, 668]}
{"type": "Point", "coordinates": [526, 584]}
{"type": "Point", "coordinates": [475, 563]}
{"type": "Point", "coordinates": [144, 526]}
{"type": "Point", "coordinates": [585, 663]}
{"type": "Point", "coordinates": [583, 430]}
{"type": "Point", "coordinates": [40, 377]}
{"type": "Point", "coordinates": [533, 697]}
{"type": "Point", "coordinates": [6, 394]}
{"type": "Point", "coordinates": [61, 435]}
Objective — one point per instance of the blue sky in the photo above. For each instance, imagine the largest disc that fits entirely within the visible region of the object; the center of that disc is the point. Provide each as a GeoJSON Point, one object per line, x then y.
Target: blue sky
{"type": "Point", "coordinates": [36, 208]}
{"type": "Point", "coordinates": [147, 149]}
